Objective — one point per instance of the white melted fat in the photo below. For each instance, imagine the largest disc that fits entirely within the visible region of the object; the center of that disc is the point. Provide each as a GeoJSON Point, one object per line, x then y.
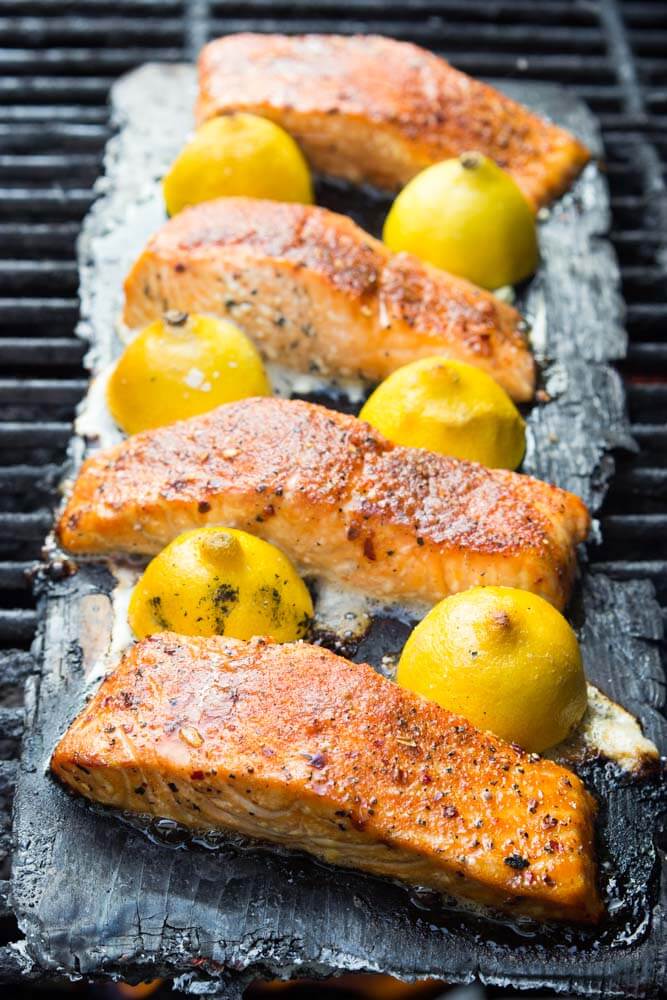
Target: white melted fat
{"type": "Point", "coordinates": [122, 637]}
{"type": "Point", "coordinates": [94, 422]}
{"type": "Point", "coordinates": [611, 730]}
{"type": "Point", "coordinates": [347, 612]}
{"type": "Point", "coordinates": [288, 383]}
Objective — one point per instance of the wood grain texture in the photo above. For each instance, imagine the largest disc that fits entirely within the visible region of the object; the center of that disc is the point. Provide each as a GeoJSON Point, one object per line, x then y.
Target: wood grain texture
{"type": "Point", "coordinates": [95, 896]}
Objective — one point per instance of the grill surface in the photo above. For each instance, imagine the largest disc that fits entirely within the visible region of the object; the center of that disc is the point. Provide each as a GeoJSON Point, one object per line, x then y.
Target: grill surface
{"type": "Point", "coordinates": [57, 64]}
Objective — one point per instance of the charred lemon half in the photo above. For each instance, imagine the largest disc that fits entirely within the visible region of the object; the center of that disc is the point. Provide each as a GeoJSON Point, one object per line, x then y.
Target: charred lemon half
{"type": "Point", "coordinates": [504, 659]}
{"type": "Point", "coordinates": [220, 581]}
{"type": "Point", "coordinates": [238, 155]}
{"type": "Point", "coordinates": [181, 366]}
{"type": "Point", "coordinates": [451, 408]}
{"type": "Point", "coordinates": [467, 216]}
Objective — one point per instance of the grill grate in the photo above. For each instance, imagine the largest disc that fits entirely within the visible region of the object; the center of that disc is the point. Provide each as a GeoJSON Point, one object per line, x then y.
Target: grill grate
{"type": "Point", "coordinates": [57, 65]}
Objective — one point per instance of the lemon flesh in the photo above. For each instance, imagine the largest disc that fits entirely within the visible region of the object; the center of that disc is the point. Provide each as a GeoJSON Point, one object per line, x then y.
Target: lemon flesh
{"type": "Point", "coordinates": [238, 155]}
{"type": "Point", "coordinates": [451, 408]}
{"type": "Point", "coordinates": [468, 217]}
{"type": "Point", "coordinates": [504, 659]}
{"type": "Point", "coordinates": [181, 366]}
{"type": "Point", "coordinates": [219, 581]}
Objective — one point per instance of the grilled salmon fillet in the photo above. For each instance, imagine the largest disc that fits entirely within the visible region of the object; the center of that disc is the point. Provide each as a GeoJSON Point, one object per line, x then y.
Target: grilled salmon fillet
{"type": "Point", "coordinates": [295, 745]}
{"type": "Point", "coordinates": [330, 491]}
{"type": "Point", "coordinates": [318, 294]}
{"type": "Point", "coordinates": [369, 108]}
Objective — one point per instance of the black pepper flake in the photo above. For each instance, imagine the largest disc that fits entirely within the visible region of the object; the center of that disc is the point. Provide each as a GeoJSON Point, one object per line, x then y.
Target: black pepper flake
{"type": "Point", "coordinates": [203, 506]}
{"type": "Point", "coordinates": [516, 861]}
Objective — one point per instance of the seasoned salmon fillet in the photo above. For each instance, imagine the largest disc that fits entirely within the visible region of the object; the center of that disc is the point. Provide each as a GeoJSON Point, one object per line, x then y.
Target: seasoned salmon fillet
{"type": "Point", "coordinates": [295, 745]}
{"type": "Point", "coordinates": [343, 502]}
{"type": "Point", "coordinates": [318, 294]}
{"type": "Point", "coordinates": [369, 108]}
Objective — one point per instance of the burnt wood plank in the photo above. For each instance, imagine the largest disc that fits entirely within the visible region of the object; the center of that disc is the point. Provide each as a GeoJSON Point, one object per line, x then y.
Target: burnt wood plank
{"type": "Point", "coordinates": [95, 896]}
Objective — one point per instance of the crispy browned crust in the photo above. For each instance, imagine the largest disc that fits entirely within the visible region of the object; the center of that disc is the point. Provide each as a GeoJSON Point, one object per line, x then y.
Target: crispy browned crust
{"type": "Point", "coordinates": [369, 108]}
{"type": "Point", "coordinates": [296, 745]}
{"type": "Point", "coordinates": [401, 523]}
{"type": "Point", "coordinates": [317, 293]}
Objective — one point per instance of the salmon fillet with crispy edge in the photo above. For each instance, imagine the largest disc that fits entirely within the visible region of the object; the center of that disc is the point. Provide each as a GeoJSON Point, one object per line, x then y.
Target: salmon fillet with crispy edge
{"type": "Point", "coordinates": [368, 108]}
{"type": "Point", "coordinates": [318, 294]}
{"type": "Point", "coordinates": [295, 745]}
{"type": "Point", "coordinates": [343, 502]}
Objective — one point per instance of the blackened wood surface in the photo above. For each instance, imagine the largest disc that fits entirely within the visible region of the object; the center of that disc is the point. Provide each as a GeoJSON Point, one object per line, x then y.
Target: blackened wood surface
{"type": "Point", "coordinates": [94, 895]}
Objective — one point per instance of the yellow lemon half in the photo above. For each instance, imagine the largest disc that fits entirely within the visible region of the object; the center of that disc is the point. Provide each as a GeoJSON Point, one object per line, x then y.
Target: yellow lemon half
{"type": "Point", "coordinates": [468, 217]}
{"type": "Point", "coordinates": [238, 154]}
{"type": "Point", "coordinates": [504, 659]}
{"type": "Point", "coordinates": [451, 408]}
{"type": "Point", "coordinates": [181, 366]}
{"type": "Point", "coordinates": [219, 581]}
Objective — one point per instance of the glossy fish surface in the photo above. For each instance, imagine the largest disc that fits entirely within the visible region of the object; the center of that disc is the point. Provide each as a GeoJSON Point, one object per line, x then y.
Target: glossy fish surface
{"type": "Point", "coordinates": [295, 745]}
{"type": "Point", "coordinates": [369, 108]}
{"type": "Point", "coordinates": [317, 294]}
{"type": "Point", "coordinates": [401, 524]}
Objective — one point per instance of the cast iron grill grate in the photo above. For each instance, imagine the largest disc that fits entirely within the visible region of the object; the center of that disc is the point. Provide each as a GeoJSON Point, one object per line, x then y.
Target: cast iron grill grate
{"type": "Point", "coordinates": [57, 63]}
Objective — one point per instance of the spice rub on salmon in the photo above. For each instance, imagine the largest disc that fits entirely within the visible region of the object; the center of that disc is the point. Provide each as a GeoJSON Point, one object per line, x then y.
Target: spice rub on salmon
{"type": "Point", "coordinates": [369, 108]}
{"type": "Point", "coordinates": [295, 745]}
{"type": "Point", "coordinates": [318, 294]}
{"type": "Point", "coordinates": [344, 503]}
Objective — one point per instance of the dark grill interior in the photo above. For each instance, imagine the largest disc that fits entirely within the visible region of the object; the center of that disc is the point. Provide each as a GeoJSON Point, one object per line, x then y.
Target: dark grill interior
{"type": "Point", "coordinates": [57, 62]}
